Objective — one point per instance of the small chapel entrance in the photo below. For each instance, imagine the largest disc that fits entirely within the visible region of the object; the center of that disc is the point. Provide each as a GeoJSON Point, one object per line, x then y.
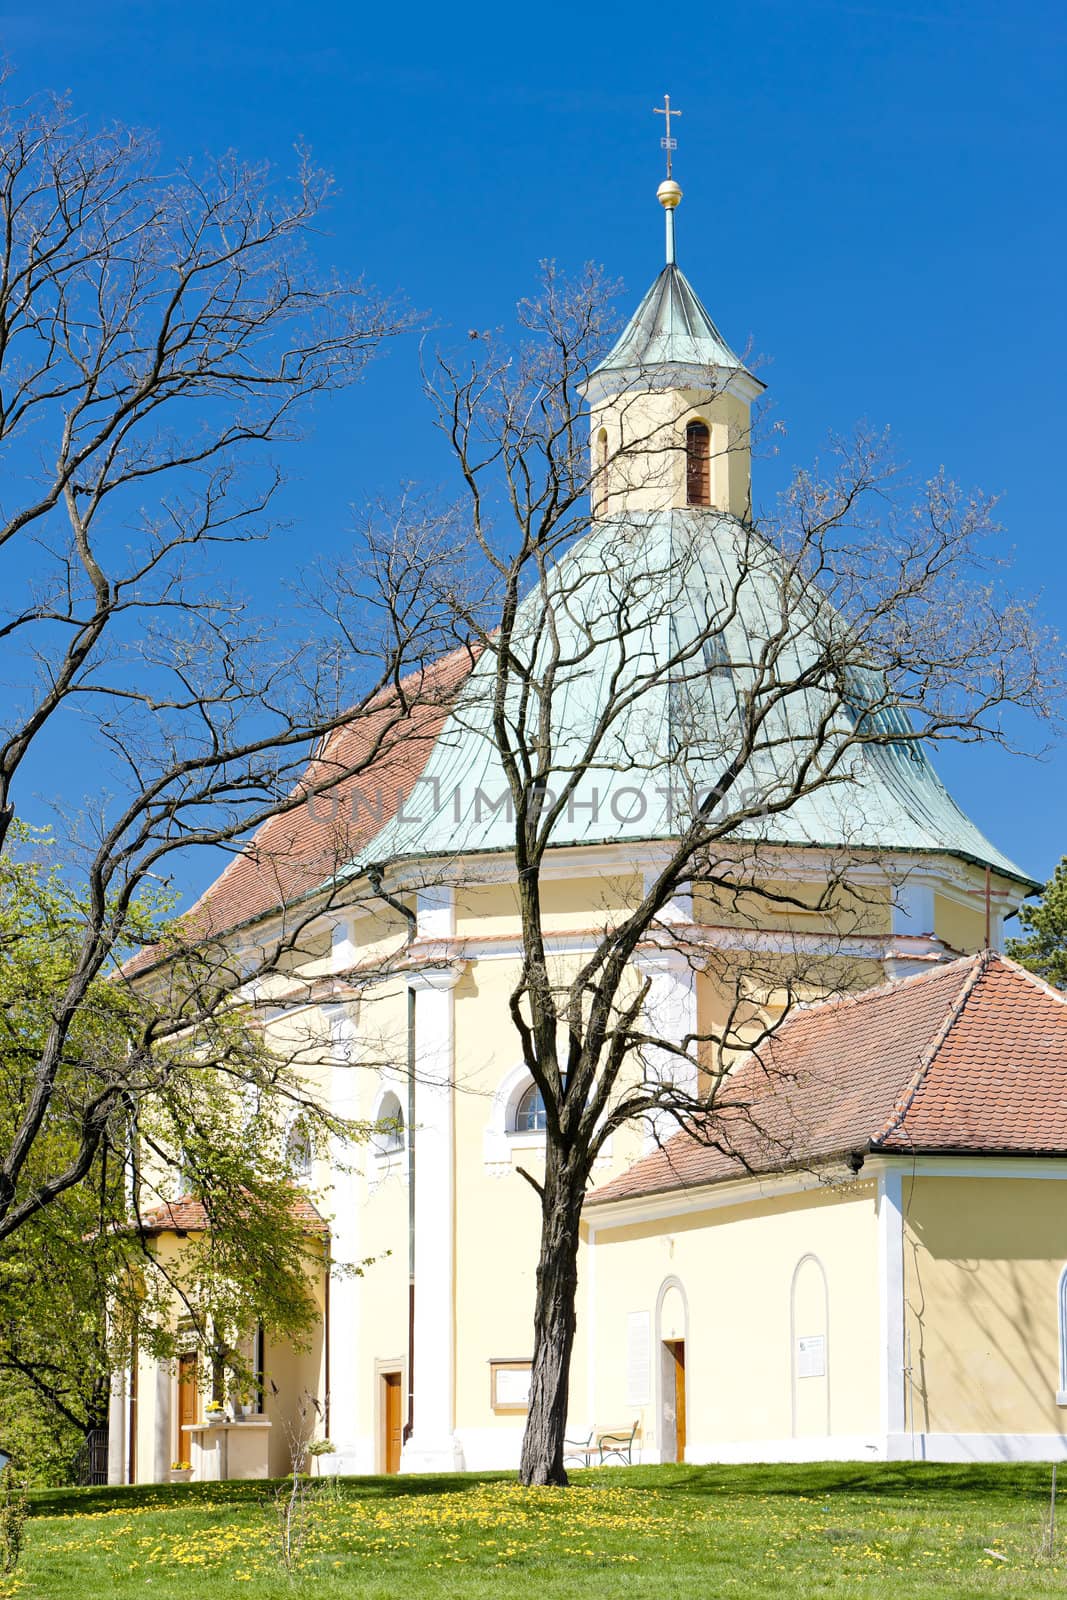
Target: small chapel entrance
{"type": "Point", "coordinates": [673, 1391]}
{"type": "Point", "coordinates": [188, 1408]}
{"type": "Point", "coordinates": [392, 1415]}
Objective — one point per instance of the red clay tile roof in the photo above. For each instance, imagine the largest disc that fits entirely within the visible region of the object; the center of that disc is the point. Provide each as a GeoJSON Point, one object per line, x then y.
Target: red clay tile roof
{"type": "Point", "coordinates": [188, 1215]}
{"type": "Point", "coordinates": [968, 1057]}
{"type": "Point", "coordinates": [295, 852]}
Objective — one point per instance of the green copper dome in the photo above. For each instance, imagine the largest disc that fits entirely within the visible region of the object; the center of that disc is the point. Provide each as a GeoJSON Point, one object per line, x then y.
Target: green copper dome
{"type": "Point", "coordinates": [637, 592]}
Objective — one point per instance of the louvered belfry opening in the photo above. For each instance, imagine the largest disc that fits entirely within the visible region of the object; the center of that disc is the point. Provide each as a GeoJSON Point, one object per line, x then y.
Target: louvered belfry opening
{"type": "Point", "coordinates": [697, 464]}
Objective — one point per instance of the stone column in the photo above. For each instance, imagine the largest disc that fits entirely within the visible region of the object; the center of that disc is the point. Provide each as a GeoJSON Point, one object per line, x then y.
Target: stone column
{"type": "Point", "coordinates": [433, 1446]}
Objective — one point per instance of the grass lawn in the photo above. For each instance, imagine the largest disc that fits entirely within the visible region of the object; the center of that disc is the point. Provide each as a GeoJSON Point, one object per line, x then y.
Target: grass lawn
{"type": "Point", "coordinates": [875, 1530]}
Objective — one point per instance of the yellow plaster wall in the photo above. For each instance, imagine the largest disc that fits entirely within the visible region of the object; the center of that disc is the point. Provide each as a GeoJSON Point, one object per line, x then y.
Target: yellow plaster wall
{"type": "Point", "coordinates": [377, 1232]}
{"type": "Point", "coordinates": [382, 1339]}
{"type": "Point", "coordinates": [854, 909]}
{"type": "Point", "coordinates": [294, 1375]}
{"type": "Point", "coordinates": [646, 449]}
{"type": "Point", "coordinates": [487, 909]}
{"type": "Point", "coordinates": [497, 1213]}
{"type": "Point", "coordinates": [736, 1266]}
{"type": "Point", "coordinates": [492, 909]}
{"type": "Point", "coordinates": [497, 1217]}
{"type": "Point", "coordinates": [982, 1262]}
{"type": "Point", "coordinates": [962, 927]}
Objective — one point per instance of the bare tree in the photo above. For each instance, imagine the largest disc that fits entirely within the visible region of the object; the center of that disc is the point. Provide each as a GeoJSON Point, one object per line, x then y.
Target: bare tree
{"type": "Point", "coordinates": [161, 333]}
{"type": "Point", "coordinates": [728, 676]}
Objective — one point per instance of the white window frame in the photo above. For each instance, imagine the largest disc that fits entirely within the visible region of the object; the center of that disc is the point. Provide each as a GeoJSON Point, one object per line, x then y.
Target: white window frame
{"type": "Point", "coordinates": [390, 1152]}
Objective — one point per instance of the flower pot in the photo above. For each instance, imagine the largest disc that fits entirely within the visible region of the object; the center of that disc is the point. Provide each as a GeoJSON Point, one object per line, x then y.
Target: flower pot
{"type": "Point", "coordinates": [181, 1474]}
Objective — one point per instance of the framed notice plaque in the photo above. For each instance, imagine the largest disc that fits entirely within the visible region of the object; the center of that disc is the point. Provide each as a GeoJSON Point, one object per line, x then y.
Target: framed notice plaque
{"type": "Point", "coordinates": [811, 1356]}
{"type": "Point", "coordinates": [509, 1385]}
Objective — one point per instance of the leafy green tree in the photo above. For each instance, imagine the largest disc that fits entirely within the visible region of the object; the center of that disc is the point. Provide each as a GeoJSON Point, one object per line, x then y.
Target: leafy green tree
{"type": "Point", "coordinates": [206, 1111]}
{"type": "Point", "coordinates": [1044, 949]}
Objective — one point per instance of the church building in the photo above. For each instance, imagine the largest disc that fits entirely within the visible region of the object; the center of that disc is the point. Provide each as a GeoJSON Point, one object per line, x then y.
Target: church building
{"type": "Point", "coordinates": [874, 1266]}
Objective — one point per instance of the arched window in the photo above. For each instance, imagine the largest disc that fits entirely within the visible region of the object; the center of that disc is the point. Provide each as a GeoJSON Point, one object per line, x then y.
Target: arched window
{"type": "Point", "coordinates": [389, 1135]}
{"type": "Point", "coordinates": [298, 1150]}
{"type": "Point", "coordinates": [530, 1114]}
{"type": "Point", "coordinates": [697, 464]}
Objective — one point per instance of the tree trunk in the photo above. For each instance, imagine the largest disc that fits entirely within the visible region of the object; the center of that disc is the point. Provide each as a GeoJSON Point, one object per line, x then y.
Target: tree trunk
{"type": "Point", "coordinates": [554, 1321]}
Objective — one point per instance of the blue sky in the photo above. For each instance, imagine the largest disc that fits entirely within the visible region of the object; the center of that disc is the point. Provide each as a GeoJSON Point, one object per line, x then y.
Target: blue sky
{"type": "Point", "coordinates": [874, 198]}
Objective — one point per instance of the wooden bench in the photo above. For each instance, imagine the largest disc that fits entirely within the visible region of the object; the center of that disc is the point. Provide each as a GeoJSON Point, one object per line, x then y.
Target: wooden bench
{"type": "Point", "coordinates": [603, 1444]}
{"type": "Point", "coordinates": [618, 1443]}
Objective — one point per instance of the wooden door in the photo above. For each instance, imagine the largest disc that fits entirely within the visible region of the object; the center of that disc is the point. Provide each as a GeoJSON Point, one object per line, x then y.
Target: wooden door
{"type": "Point", "coordinates": [392, 1419]}
{"type": "Point", "coordinates": [188, 1404]}
{"type": "Point", "coordinates": [677, 1352]}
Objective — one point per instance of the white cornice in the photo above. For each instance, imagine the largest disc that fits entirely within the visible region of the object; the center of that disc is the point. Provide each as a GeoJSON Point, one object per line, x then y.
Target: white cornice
{"type": "Point", "coordinates": [683, 940]}
{"type": "Point", "coordinates": [835, 1178]}
{"type": "Point", "coordinates": [945, 874]}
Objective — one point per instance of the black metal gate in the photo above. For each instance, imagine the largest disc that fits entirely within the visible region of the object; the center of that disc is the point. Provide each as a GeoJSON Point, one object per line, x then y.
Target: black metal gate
{"type": "Point", "coordinates": [90, 1466]}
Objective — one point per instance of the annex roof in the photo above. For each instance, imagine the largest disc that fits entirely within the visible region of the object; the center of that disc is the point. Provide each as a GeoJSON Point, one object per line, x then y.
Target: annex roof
{"type": "Point", "coordinates": [189, 1215]}
{"type": "Point", "coordinates": [299, 850]}
{"type": "Point", "coordinates": [968, 1058]}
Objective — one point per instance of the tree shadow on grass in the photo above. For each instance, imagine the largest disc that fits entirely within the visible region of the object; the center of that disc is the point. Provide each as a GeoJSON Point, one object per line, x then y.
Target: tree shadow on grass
{"type": "Point", "coordinates": [885, 1479]}
{"type": "Point", "coordinates": [904, 1480]}
{"type": "Point", "coordinates": [71, 1502]}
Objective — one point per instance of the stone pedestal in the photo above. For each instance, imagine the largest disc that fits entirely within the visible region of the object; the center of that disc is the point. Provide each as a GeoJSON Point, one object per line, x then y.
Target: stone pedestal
{"type": "Point", "coordinates": [219, 1451]}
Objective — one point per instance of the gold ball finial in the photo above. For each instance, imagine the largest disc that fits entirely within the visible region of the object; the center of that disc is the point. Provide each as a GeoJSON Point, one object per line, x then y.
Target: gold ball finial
{"type": "Point", "coordinates": [668, 194]}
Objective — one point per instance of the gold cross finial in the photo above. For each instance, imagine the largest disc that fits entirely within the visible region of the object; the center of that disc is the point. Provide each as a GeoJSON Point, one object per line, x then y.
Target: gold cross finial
{"type": "Point", "coordinates": [667, 143]}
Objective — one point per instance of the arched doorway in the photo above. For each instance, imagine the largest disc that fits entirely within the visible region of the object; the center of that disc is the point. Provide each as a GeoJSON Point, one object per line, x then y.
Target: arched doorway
{"type": "Point", "coordinates": [672, 1328]}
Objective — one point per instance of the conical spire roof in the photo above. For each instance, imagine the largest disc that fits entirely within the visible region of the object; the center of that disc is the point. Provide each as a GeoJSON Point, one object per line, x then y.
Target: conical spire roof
{"type": "Point", "coordinates": [672, 342]}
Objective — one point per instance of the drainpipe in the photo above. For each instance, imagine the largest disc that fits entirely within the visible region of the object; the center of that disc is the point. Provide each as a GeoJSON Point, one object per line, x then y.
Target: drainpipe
{"type": "Point", "coordinates": [409, 1426]}
{"type": "Point", "coordinates": [326, 1341]}
{"type": "Point", "coordinates": [131, 1426]}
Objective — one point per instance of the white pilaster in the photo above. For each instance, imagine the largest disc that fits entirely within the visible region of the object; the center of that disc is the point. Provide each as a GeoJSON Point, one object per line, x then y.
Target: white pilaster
{"type": "Point", "coordinates": [433, 1446]}
{"type": "Point", "coordinates": [117, 1412]}
{"type": "Point", "coordinates": [670, 1014]}
{"type": "Point", "coordinates": [343, 944]}
{"type": "Point", "coordinates": [891, 1305]}
{"type": "Point", "coordinates": [913, 919]}
{"type": "Point", "coordinates": [162, 1422]}
{"type": "Point", "coordinates": [346, 1288]}
{"type": "Point", "coordinates": [679, 908]}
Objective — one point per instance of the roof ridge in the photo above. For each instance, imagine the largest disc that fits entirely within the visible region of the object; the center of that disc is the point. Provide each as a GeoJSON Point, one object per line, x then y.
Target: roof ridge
{"type": "Point", "coordinates": [1042, 985]}
{"type": "Point", "coordinates": [979, 965]}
